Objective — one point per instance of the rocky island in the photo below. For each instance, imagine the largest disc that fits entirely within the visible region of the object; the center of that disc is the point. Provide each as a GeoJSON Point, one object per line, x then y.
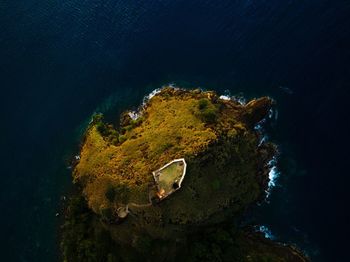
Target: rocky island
{"type": "Point", "coordinates": [171, 182]}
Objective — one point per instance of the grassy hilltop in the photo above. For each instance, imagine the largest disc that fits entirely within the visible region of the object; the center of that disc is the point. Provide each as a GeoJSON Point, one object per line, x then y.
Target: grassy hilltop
{"type": "Point", "coordinates": [227, 171]}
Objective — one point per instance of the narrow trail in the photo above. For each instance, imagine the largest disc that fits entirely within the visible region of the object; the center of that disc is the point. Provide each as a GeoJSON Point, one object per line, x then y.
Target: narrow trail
{"type": "Point", "coordinates": [140, 205]}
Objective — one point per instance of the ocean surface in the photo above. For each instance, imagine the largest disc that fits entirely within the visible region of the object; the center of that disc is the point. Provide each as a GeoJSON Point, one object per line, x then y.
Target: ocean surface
{"type": "Point", "coordinates": [63, 60]}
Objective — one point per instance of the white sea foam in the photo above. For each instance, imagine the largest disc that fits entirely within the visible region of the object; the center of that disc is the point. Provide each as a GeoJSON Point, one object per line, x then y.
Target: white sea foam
{"type": "Point", "coordinates": [242, 101]}
{"type": "Point", "coordinates": [273, 114]}
{"type": "Point", "coordinates": [134, 115]}
{"type": "Point", "coordinates": [272, 164]}
{"type": "Point", "coordinates": [258, 127]}
{"type": "Point", "coordinates": [266, 231]}
{"type": "Point", "coordinates": [263, 140]}
{"type": "Point", "coordinates": [273, 176]}
{"type": "Point", "coordinates": [157, 91]}
{"type": "Point", "coordinates": [224, 97]}
{"type": "Point", "coordinates": [152, 94]}
{"type": "Point", "coordinates": [260, 130]}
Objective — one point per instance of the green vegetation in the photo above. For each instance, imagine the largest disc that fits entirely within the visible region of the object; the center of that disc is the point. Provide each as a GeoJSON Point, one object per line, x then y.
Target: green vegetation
{"type": "Point", "coordinates": [207, 131]}
{"type": "Point", "coordinates": [164, 147]}
{"type": "Point", "coordinates": [83, 237]}
{"type": "Point", "coordinates": [107, 131]}
{"type": "Point", "coordinates": [143, 244]}
{"type": "Point", "coordinates": [110, 193]}
{"type": "Point", "coordinates": [203, 103]}
{"type": "Point", "coordinates": [208, 111]}
{"type": "Point", "coordinates": [122, 138]}
{"type": "Point", "coordinates": [226, 172]}
{"type": "Point", "coordinates": [216, 184]}
{"type": "Point", "coordinates": [132, 123]}
{"type": "Point", "coordinates": [118, 193]}
{"type": "Point", "coordinates": [215, 245]}
{"type": "Point", "coordinates": [167, 129]}
{"type": "Point", "coordinates": [226, 243]}
{"type": "Point", "coordinates": [107, 214]}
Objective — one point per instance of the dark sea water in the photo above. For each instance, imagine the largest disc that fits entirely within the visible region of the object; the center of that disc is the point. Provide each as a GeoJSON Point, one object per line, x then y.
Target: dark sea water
{"type": "Point", "coordinates": [62, 60]}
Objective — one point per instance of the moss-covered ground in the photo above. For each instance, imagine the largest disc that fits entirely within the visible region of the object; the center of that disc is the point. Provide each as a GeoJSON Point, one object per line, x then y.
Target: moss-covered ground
{"type": "Point", "coordinates": [226, 172]}
{"type": "Point", "coordinates": [173, 124]}
{"type": "Point", "coordinates": [87, 239]}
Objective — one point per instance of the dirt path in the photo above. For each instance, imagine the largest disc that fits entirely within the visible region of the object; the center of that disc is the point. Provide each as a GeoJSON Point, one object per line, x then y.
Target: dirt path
{"type": "Point", "coordinates": [140, 205]}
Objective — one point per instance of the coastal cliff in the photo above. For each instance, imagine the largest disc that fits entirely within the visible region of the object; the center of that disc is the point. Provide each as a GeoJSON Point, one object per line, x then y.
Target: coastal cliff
{"type": "Point", "coordinates": [227, 171]}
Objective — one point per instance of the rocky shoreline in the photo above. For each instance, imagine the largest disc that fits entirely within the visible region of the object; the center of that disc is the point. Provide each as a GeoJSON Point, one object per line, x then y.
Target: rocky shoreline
{"type": "Point", "coordinates": [228, 169]}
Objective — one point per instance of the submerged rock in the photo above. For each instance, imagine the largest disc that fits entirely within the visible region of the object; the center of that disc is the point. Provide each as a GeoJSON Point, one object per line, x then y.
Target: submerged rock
{"type": "Point", "coordinates": [227, 171]}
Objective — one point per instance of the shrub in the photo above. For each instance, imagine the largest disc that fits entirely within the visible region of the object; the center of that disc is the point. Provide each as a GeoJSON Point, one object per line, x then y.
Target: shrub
{"type": "Point", "coordinates": [119, 193]}
{"type": "Point", "coordinates": [101, 128]}
{"type": "Point", "coordinates": [113, 136]}
{"type": "Point", "coordinates": [122, 138]}
{"type": "Point", "coordinates": [136, 122]}
{"type": "Point", "coordinates": [115, 141]}
{"type": "Point", "coordinates": [97, 118]}
{"type": "Point", "coordinates": [216, 184]}
{"type": "Point", "coordinates": [209, 115]}
{"type": "Point", "coordinates": [127, 128]}
{"type": "Point", "coordinates": [105, 130]}
{"type": "Point", "coordinates": [208, 111]}
{"type": "Point", "coordinates": [122, 193]}
{"type": "Point", "coordinates": [107, 213]}
{"type": "Point", "coordinates": [113, 133]}
{"type": "Point", "coordinates": [132, 124]}
{"type": "Point", "coordinates": [203, 103]}
{"type": "Point", "coordinates": [232, 133]}
{"type": "Point", "coordinates": [223, 238]}
{"type": "Point", "coordinates": [112, 258]}
{"type": "Point", "coordinates": [143, 244]}
{"type": "Point", "coordinates": [165, 147]}
{"type": "Point", "coordinates": [110, 193]}
{"type": "Point", "coordinates": [84, 238]}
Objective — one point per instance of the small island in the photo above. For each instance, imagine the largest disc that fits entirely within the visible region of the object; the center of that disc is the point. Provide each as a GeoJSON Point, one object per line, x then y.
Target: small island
{"type": "Point", "coordinates": [171, 181]}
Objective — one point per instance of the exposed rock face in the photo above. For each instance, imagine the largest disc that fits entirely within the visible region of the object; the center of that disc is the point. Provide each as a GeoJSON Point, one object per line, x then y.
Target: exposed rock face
{"type": "Point", "coordinates": [226, 167]}
{"type": "Point", "coordinates": [256, 110]}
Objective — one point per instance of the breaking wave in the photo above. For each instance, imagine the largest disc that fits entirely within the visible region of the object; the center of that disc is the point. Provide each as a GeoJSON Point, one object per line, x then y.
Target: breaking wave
{"type": "Point", "coordinates": [224, 97]}
{"type": "Point", "coordinates": [238, 98]}
{"type": "Point", "coordinates": [266, 231]}
{"type": "Point", "coordinates": [273, 175]}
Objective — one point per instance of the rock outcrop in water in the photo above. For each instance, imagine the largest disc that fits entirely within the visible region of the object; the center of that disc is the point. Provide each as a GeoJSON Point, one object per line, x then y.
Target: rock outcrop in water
{"type": "Point", "coordinates": [119, 216]}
